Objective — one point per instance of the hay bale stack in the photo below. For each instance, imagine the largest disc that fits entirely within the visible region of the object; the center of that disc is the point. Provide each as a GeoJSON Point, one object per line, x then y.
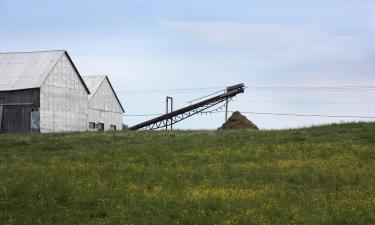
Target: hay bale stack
{"type": "Point", "coordinates": [238, 121]}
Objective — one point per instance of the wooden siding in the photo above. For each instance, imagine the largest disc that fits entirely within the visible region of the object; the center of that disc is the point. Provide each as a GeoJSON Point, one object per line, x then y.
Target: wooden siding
{"type": "Point", "coordinates": [16, 119]}
{"type": "Point", "coordinates": [29, 96]}
{"type": "Point", "coordinates": [16, 109]}
{"type": "Point", "coordinates": [63, 100]}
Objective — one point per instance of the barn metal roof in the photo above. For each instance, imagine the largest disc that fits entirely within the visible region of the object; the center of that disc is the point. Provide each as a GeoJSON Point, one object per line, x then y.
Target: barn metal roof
{"type": "Point", "coordinates": [93, 82]}
{"type": "Point", "coordinates": [25, 70]}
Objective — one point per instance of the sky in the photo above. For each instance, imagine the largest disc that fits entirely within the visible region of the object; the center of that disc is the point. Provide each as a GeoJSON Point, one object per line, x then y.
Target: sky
{"type": "Point", "coordinates": [168, 44]}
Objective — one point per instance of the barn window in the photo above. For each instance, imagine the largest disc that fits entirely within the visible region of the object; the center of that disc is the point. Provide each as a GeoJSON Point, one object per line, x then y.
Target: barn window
{"type": "Point", "coordinates": [92, 125]}
{"type": "Point", "coordinates": [112, 127]}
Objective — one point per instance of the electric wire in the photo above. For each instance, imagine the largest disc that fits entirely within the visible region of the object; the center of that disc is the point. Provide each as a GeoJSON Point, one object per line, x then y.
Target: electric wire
{"type": "Point", "coordinates": [313, 88]}
{"type": "Point", "coordinates": [358, 88]}
{"type": "Point", "coordinates": [166, 93]}
{"type": "Point", "coordinates": [215, 109]}
{"type": "Point", "coordinates": [206, 96]}
{"type": "Point", "coordinates": [270, 113]}
{"type": "Point", "coordinates": [178, 89]}
{"type": "Point", "coordinates": [142, 115]}
{"type": "Point", "coordinates": [309, 102]}
{"type": "Point", "coordinates": [306, 115]}
{"type": "Point", "coordinates": [258, 87]}
{"type": "Point", "coordinates": [268, 101]}
{"type": "Point", "coordinates": [265, 88]}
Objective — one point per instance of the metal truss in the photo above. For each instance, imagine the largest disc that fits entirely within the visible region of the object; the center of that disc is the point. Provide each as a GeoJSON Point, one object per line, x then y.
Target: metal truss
{"type": "Point", "coordinates": [180, 117]}
{"type": "Point", "coordinates": [176, 116]}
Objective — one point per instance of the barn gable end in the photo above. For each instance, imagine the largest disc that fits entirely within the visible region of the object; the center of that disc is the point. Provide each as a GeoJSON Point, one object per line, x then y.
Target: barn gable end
{"type": "Point", "coordinates": [104, 107]}
{"type": "Point", "coordinates": [63, 99]}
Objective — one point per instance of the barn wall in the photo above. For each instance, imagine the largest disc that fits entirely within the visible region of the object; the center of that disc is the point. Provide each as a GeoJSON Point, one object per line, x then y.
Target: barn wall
{"type": "Point", "coordinates": [106, 117]}
{"type": "Point", "coordinates": [104, 107]}
{"type": "Point", "coordinates": [63, 100]}
{"type": "Point", "coordinates": [16, 109]}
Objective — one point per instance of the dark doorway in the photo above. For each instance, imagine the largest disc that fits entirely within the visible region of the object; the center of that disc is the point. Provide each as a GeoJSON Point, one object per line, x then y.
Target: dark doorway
{"type": "Point", "coordinates": [100, 126]}
{"type": "Point", "coordinates": [16, 118]}
{"type": "Point", "coordinates": [1, 115]}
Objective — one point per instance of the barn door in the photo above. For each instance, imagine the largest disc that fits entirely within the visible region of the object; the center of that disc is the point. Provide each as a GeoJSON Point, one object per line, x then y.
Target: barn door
{"type": "Point", "coordinates": [35, 121]}
{"type": "Point", "coordinates": [1, 116]}
{"type": "Point", "coordinates": [16, 118]}
{"type": "Point", "coordinates": [100, 126]}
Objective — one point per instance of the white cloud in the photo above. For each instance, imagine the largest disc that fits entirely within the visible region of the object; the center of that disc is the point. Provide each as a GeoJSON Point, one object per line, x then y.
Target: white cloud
{"type": "Point", "coordinates": [272, 41]}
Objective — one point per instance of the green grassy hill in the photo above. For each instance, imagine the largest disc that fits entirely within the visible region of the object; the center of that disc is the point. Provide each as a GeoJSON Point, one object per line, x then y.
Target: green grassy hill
{"type": "Point", "coordinates": [319, 175]}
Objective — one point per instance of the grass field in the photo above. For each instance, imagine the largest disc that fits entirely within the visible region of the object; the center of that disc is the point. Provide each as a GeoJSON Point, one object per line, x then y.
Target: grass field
{"type": "Point", "coordinates": [319, 175]}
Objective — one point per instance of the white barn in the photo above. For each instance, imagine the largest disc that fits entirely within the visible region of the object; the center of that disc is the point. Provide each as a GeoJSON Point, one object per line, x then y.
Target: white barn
{"type": "Point", "coordinates": [44, 92]}
{"type": "Point", "coordinates": [104, 108]}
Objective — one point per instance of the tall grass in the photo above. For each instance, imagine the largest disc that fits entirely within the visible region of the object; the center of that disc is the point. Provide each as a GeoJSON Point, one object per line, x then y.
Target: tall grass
{"type": "Point", "coordinates": [320, 175]}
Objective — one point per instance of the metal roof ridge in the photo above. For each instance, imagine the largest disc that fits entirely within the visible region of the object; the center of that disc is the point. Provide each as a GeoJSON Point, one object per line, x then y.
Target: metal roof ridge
{"type": "Point", "coordinates": [15, 52]}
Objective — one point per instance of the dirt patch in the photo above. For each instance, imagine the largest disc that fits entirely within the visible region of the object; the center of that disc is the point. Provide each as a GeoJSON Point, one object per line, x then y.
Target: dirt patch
{"type": "Point", "coordinates": [238, 121]}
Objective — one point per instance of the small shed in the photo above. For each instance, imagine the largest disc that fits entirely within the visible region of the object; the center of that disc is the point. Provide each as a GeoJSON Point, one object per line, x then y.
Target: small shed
{"type": "Point", "coordinates": [41, 92]}
{"type": "Point", "coordinates": [104, 108]}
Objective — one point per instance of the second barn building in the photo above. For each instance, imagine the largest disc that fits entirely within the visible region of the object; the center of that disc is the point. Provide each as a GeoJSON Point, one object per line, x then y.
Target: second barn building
{"type": "Point", "coordinates": [104, 108]}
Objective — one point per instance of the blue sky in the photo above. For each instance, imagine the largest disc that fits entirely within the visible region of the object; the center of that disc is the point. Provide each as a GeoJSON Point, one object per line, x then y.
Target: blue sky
{"type": "Point", "coordinates": [165, 44]}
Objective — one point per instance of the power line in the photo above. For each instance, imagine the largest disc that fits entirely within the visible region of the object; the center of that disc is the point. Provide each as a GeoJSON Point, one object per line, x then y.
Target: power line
{"type": "Point", "coordinates": [194, 100]}
{"type": "Point", "coordinates": [310, 102]}
{"type": "Point", "coordinates": [267, 101]}
{"type": "Point", "coordinates": [178, 90]}
{"type": "Point", "coordinates": [141, 115]}
{"type": "Point", "coordinates": [308, 115]}
{"type": "Point", "coordinates": [340, 88]}
{"type": "Point", "coordinates": [273, 114]}
{"type": "Point", "coordinates": [165, 93]}
{"type": "Point", "coordinates": [258, 87]}
{"type": "Point", "coordinates": [312, 88]}
{"type": "Point", "coordinates": [217, 109]}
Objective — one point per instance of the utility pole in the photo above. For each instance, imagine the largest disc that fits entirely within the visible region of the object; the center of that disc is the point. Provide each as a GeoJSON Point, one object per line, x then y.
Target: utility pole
{"type": "Point", "coordinates": [168, 99]}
